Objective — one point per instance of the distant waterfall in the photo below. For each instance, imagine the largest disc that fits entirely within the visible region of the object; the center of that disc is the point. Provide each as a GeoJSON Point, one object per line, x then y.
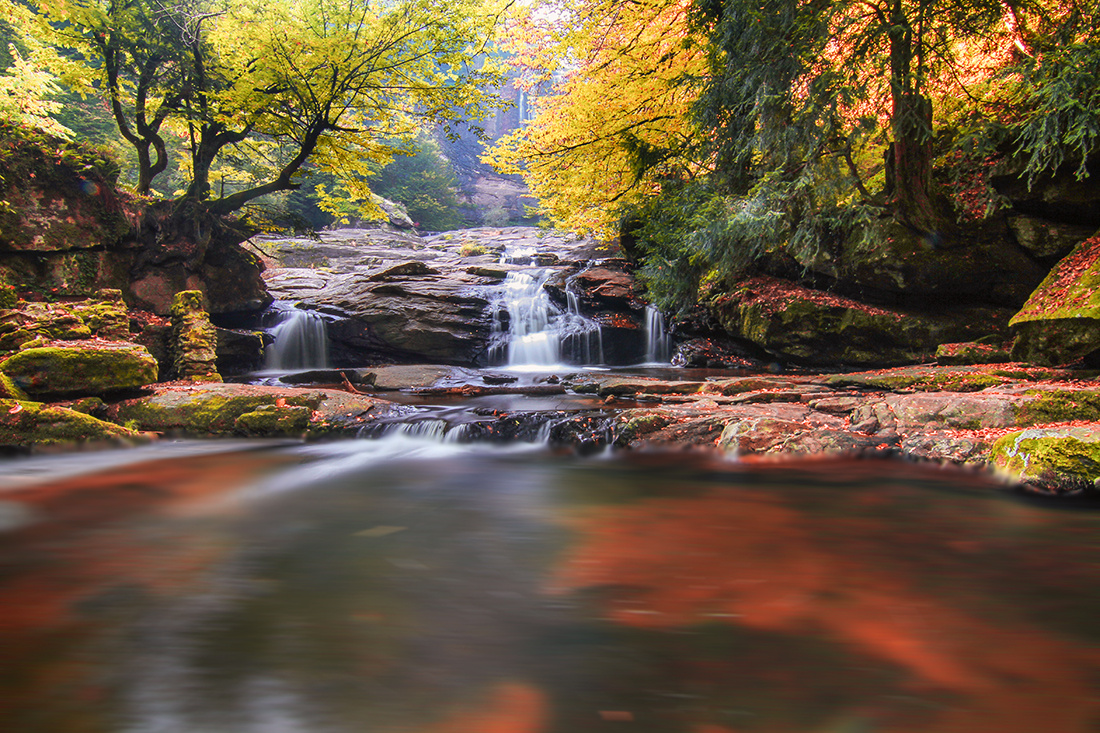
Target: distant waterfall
{"type": "Point", "coordinates": [658, 344]}
{"type": "Point", "coordinates": [300, 340]}
{"type": "Point", "coordinates": [530, 330]}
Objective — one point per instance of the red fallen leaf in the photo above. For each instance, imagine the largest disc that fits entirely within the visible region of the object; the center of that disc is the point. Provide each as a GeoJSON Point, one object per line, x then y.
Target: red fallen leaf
{"type": "Point", "coordinates": [281, 402]}
{"type": "Point", "coordinates": [16, 409]}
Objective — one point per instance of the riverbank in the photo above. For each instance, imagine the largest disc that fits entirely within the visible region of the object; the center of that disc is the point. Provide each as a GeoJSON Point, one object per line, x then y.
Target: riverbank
{"type": "Point", "coordinates": [1036, 428]}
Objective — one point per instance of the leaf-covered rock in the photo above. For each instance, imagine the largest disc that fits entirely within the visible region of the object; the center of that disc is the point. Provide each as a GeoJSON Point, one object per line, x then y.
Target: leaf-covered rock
{"type": "Point", "coordinates": [1060, 322]}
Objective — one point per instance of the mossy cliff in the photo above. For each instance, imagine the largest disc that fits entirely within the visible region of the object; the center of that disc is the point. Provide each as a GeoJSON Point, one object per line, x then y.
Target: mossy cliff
{"type": "Point", "coordinates": [66, 231]}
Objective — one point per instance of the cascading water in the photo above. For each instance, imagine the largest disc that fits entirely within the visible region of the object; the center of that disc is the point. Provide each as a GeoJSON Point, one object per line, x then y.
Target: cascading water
{"type": "Point", "coordinates": [300, 340]}
{"type": "Point", "coordinates": [658, 343]}
{"type": "Point", "coordinates": [529, 330]}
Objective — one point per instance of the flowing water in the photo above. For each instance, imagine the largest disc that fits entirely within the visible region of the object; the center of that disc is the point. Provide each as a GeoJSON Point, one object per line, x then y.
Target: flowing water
{"type": "Point", "coordinates": [300, 339]}
{"type": "Point", "coordinates": [409, 585]}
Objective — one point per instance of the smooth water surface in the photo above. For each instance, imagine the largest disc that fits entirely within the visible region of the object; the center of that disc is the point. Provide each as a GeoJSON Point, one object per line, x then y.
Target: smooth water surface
{"type": "Point", "coordinates": [397, 586]}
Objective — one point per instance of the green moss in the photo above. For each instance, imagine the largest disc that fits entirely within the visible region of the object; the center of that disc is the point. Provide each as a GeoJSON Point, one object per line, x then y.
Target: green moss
{"type": "Point", "coordinates": [208, 413]}
{"type": "Point", "coordinates": [1059, 406]}
{"type": "Point", "coordinates": [641, 425]}
{"type": "Point", "coordinates": [24, 422]}
{"type": "Point", "coordinates": [924, 380]}
{"type": "Point", "coordinates": [8, 297]}
{"type": "Point", "coordinates": [55, 370]}
{"type": "Point", "coordinates": [270, 420]}
{"type": "Point", "coordinates": [1057, 460]}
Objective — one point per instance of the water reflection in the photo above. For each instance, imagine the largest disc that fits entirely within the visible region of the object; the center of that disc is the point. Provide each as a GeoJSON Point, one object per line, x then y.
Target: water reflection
{"type": "Point", "coordinates": [400, 588]}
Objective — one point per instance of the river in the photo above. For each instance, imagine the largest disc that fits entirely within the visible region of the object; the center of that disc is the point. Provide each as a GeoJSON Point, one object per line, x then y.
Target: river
{"type": "Point", "coordinates": [407, 586]}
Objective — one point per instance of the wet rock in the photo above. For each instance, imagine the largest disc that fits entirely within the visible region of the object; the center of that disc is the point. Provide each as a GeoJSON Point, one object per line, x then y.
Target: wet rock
{"type": "Point", "coordinates": [1060, 323]}
{"type": "Point", "coordinates": [214, 410]}
{"type": "Point", "coordinates": [945, 447]}
{"type": "Point", "coordinates": [816, 328]}
{"type": "Point", "coordinates": [81, 368]}
{"type": "Point", "coordinates": [194, 345]}
{"type": "Point", "coordinates": [712, 353]}
{"type": "Point", "coordinates": [33, 424]}
{"type": "Point", "coordinates": [239, 351]}
{"type": "Point", "coordinates": [1058, 460]}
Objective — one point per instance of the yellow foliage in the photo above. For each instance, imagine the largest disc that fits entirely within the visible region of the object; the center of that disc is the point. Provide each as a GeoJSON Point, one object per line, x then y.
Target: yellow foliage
{"type": "Point", "coordinates": [617, 120]}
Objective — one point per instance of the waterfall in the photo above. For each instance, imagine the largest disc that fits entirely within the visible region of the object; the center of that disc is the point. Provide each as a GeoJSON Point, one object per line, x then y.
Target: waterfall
{"type": "Point", "coordinates": [658, 344]}
{"type": "Point", "coordinates": [530, 330]}
{"type": "Point", "coordinates": [300, 340]}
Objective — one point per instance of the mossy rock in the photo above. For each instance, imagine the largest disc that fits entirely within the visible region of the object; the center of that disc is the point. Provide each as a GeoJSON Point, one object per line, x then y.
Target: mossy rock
{"type": "Point", "coordinates": [817, 328]}
{"type": "Point", "coordinates": [1066, 459]}
{"type": "Point", "coordinates": [271, 420]}
{"type": "Point", "coordinates": [1060, 322]}
{"type": "Point", "coordinates": [27, 423]}
{"type": "Point", "coordinates": [638, 425]}
{"type": "Point", "coordinates": [81, 370]}
{"type": "Point", "coordinates": [214, 410]}
{"type": "Point", "coordinates": [919, 379]}
{"type": "Point", "coordinates": [1060, 405]}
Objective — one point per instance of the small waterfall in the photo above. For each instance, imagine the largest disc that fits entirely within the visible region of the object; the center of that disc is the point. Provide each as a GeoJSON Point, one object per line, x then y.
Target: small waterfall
{"type": "Point", "coordinates": [300, 340]}
{"type": "Point", "coordinates": [536, 332]}
{"type": "Point", "coordinates": [658, 344]}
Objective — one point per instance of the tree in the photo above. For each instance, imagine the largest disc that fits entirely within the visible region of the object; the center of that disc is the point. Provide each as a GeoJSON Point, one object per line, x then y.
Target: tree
{"type": "Point", "coordinates": [617, 120]}
{"type": "Point", "coordinates": [275, 83]}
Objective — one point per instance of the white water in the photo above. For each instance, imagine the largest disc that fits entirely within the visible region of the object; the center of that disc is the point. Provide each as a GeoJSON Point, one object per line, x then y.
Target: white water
{"type": "Point", "coordinates": [658, 343]}
{"type": "Point", "coordinates": [538, 333]}
{"type": "Point", "coordinates": [300, 340]}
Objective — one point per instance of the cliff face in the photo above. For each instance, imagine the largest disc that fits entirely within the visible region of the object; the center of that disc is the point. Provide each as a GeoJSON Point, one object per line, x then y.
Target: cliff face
{"type": "Point", "coordinates": [66, 231]}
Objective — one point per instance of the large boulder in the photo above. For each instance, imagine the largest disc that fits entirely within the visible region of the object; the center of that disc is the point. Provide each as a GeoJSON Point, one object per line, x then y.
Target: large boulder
{"type": "Point", "coordinates": [81, 368]}
{"type": "Point", "coordinates": [253, 410]}
{"type": "Point", "coordinates": [1060, 322]}
{"type": "Point", "coordinates": [26, 423]}
{"type": "Point", "coordinates": [893, 260]}
{"type": "Point", "coordinates": [817, 328]}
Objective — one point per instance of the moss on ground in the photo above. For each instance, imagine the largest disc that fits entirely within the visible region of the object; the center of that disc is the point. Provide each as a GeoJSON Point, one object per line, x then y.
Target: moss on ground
{"type": "Point", "coordinates": [1050, 406]}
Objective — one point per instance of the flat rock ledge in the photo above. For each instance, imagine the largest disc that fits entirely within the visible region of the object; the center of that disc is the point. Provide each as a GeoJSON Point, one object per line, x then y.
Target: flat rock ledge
{"type": "Point", "coordinates": [1036, 428]}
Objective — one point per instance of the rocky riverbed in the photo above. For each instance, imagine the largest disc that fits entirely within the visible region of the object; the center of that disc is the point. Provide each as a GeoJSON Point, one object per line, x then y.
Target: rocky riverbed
{"type": "Point", "coordinates": [415, 325]}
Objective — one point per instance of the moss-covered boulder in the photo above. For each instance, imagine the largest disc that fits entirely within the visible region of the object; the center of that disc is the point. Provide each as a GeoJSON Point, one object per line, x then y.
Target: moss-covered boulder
{"type": "Point", "coordinates": [205, 410]}
{"type": "Point", "coordinates": [80, 368]}
{"type": "Point", "coordinates": [194, 343]}
{"type": "Point", "coordinates": [105, 315]}
{"type": "Point", "coordinates": [1060, 323]}
{"type": "Point", "coordinates": [1063, 459]}
{"type": "Point", "coordinates": [818, 328]}
{"type": "Point", "coordinates": [26, 423]}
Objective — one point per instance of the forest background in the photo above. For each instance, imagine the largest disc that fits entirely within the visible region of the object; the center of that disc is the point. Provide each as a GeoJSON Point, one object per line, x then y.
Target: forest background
{"type": "Point", "coordinates": [714, 137]}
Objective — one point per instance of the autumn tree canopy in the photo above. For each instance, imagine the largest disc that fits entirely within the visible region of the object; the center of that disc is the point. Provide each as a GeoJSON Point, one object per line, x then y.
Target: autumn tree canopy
{"type": "Point", "coordinates": [240, 94]}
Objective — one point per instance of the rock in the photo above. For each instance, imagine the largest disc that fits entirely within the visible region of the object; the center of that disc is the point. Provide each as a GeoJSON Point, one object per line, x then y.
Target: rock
{"type": "Point", "coordinates": [81, 368]}
{"type": "Point", "coordinates": [971, 353]}
{"type": "Point", "coordinates": [239, 351]}
{"type": "Point", "coordinates": [1060, 322]}
{"type": "Point", "coordinates": [1059, 196]}
{"type": "Point", "coordinates": [106, 315]}
{"type": "Point", "coordinates": [925, 379]}
{"type": "Point", "coordinates": [816, 328]}
{"type": "Point", "coordinates": [945, 447]}
{"type": "Point", "coordinates": [714, 353]}
{"type": "Point", "coordinates": [981, 264]}
{"type": "Point", "coordinates": [206, 410]}
{"type": "Point", "coordinates": [194, 345]}
{"type": "Point", "coordinates": [1044, 238]}
{"type": "Point", "coordinates": [33, 424]}
{"type": "Point", "coordinates": [273, 420]}
{"type": "Point", "coordinates": [1058, 460]}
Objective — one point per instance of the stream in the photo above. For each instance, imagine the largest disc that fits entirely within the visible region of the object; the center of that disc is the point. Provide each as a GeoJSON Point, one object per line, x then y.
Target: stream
{"type": "Point", "coordinates": [411, 585]}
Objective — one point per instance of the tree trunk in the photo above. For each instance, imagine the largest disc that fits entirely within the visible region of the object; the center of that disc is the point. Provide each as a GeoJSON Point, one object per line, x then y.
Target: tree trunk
{"type": "Point", "coordinates": [911, 125]}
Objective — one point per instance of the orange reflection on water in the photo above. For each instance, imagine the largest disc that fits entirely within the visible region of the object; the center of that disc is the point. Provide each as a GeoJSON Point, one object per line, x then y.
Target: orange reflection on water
{"type": "Point", "coordinates": [758, 562]}
{"type": "Point", "coordinates": [510, 707]}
